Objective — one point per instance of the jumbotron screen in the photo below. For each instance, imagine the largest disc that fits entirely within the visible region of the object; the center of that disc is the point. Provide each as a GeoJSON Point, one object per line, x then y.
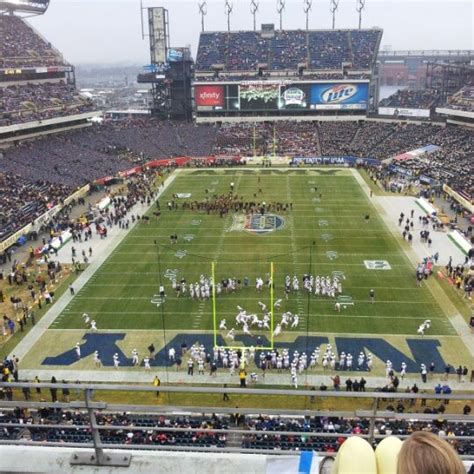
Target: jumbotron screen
{"type": "Point", "coordinates": [272, 95]}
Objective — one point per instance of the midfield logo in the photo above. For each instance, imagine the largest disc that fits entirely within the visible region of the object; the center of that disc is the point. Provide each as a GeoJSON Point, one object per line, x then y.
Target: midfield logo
{"type": "Point", "coordinates": [188, 237]}
{"type": "Point", "coordinates": [256, 223]}
{"type": "Point", "coordinates": [327, 237]}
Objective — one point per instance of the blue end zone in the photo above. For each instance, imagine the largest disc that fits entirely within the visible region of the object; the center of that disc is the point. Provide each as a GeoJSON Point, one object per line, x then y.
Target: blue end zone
{"type": "Point", "coordinates": [423, 350]}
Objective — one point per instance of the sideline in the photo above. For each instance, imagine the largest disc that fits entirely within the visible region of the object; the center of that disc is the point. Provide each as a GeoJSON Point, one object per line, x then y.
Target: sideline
{"type": "Point", "coordinates": [115, 237]}
{"type": "Point", "coordinates": [173, 376]}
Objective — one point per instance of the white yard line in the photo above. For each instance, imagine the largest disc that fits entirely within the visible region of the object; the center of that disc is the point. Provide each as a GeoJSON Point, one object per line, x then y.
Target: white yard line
{"type": "Point", "coordinates": [115, 237]}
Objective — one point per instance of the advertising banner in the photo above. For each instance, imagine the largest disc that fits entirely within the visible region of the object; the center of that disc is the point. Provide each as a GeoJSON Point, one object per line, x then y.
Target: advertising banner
{"type": "Point", "coordinates": [399, 111]}
{"type": "Point", "coordinates": [327, 96]}
{"type": "Point", "coordinates": [464, 201]}
{"type": "Point", "coordinates": [260, 95]}
{"type": "Point", "coordinates": [294, 97]}
{"type": "Point", "coordinates": [209, 96]}
{"type": "Point", "coordinates": [333, 160]}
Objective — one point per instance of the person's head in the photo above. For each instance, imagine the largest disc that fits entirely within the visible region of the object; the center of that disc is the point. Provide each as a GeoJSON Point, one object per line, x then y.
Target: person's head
{"type": "Point", "coordinates": [427, 453]}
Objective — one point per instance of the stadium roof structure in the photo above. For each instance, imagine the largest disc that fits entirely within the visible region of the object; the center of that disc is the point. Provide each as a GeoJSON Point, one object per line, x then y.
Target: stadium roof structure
{"type": "Point", "coordinates": [24, 6]}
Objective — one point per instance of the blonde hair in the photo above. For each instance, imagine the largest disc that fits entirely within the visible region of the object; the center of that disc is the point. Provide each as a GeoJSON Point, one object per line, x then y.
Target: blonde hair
{"type": "Point", "coordinates": [427, 453]}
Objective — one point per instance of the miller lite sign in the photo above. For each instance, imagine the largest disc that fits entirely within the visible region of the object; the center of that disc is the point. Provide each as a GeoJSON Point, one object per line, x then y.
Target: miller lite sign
{"type": "Point", "coordinates": [339, 96]}
{"type": "Point", "coordinates": [339, 93]}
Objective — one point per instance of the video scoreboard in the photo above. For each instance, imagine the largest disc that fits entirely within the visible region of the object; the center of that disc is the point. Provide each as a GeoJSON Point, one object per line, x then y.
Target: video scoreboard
{"type": "Point", "coordinates": [267, 96]}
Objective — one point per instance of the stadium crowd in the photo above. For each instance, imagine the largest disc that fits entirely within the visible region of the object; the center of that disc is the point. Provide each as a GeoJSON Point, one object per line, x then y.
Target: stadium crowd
{"type": "Point", "coordinates": [40, 101]}
{"type": "Point", "coordinates": [150, 429]}
{"type": "Point", "coordinates": [411, 99]}
{"type": "Point", "coordinates": [105, 150]}
{"type": "Point", "coordinates": [322, 50]}
{"type": "Point", "coordinates": [22, 201]}
{"type": "Point", "coordinates": [22, 46]}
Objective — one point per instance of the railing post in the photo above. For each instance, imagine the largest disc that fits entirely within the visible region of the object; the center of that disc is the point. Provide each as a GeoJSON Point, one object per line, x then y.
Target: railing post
{"type": "Point", "coordinates": [99, 453]}
{"type": "Point", "coordinates": [375, 405]}
{"type": "Point", "coordinates": [100, 458]}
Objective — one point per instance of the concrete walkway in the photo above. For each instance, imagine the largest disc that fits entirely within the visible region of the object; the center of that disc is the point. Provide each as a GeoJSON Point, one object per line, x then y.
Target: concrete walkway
{"type": "Point", "coordinates": [272, 378]}
{"type": "Point", "coordinates": [102, 249]}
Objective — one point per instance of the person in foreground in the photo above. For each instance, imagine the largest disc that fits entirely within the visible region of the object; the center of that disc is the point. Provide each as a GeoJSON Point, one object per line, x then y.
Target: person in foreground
{"type": "Point", "coordinates": [421, 453]}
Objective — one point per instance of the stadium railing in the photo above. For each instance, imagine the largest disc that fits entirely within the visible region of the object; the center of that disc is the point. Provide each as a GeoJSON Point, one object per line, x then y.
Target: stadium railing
{"type": "Point", "coordinates": [88, 408]}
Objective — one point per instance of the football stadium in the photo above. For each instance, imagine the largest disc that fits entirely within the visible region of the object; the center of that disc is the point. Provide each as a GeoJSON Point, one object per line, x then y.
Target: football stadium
{"type": "Point", "coordinates": [266, 265]}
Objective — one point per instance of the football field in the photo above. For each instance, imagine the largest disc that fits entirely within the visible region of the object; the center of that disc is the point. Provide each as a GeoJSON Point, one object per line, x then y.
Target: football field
{"type": "Point", "coordinates": [315, 224]}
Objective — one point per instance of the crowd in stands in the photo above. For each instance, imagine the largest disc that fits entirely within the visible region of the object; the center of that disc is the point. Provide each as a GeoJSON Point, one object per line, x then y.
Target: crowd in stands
{"type": "Point", "coordinates": [39, 174]}
{"type": "Point", "coordinates": [411, 99]}
{"type": "Point", "coordinates": [151, 429]}
{"type": "Point", "coordinates": [287, 75]}
{"type": "Point", "coordinates": [282, 44]}
{"type": "Point", "coordinates": [103, 150]}
{"type": "Point", "coordinates": [321, 50]}
{"type": "Point", "coordinates": [22, 201]}
{"type": "Point", "coordinates": [380, 140]}
{"type": "Point", "coordinates": [40, 101]}
{"type": "Point", "coordinates": [21, 46]}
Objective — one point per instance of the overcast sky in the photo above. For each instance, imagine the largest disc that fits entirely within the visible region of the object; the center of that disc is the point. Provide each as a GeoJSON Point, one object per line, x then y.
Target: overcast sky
{"type": "Point", "coordinates": [109, 31]}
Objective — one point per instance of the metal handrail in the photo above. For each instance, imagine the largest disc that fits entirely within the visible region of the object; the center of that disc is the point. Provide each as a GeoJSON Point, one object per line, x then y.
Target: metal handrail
{"type": "Point", "coordinates": [89, 408]}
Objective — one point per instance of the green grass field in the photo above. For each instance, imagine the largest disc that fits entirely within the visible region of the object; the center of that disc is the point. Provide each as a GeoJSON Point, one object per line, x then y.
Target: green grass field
{"type": "Point", "coordinates": [119, 295]}
{"type": "Point", "coordinates": [320, 235]}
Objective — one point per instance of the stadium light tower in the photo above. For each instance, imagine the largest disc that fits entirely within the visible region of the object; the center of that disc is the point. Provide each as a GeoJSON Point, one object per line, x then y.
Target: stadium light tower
{"type": "Point", "coordinates": [280, 8]}
{"type": "Point", "coordinates": [307, 5]}
{"type": "Point", "coordinates": [359, 7]}
{"type": "Point", "coordinates": [333, 8]}
{"type": "Point", "coordinates": [228, 10]}
{"type": "Point", "coordinates": [202, 4]}
{"type": "Point", "coordinates": [253, 11]}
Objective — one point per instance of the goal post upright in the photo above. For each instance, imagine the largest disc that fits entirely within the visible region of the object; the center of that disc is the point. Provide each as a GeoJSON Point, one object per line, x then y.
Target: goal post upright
{"type": "Point", "coordinates": [214, 313]}
{"type": "Point", "coordinates": [271, 304]}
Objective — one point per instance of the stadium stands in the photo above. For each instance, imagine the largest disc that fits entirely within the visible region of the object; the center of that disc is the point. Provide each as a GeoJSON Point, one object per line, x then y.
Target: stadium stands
{"type": "Point", "coordinates": [380, 140]}
{"type": "Point", "coordinates": [28, 102]}
{"type": "Point", "coordinates": [159, 429]}
{"type": "Point", "coordinates": [82, 156]}
{"type": "Point", "coordinates": [320, 50]}
{"type": "Point", "coordinates": [22, 201]}
{"type": "Point", "coordinates": [39, 89]}
{"type": "Point", "coordinates": [21, 46]}
{"type": "Point", "coordinates": [422, 99]}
